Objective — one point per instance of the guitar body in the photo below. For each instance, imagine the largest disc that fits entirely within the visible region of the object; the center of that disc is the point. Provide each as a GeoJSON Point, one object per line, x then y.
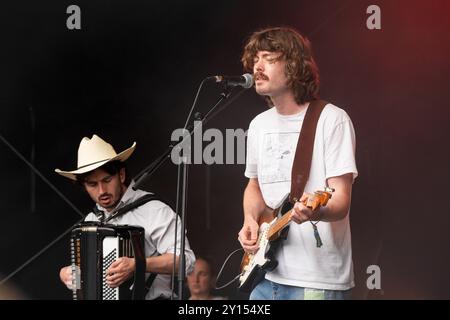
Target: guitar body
{"type": "Point", "coordinates": [273, 229]}
{"type": "Point", "coordinates": [254, 266]}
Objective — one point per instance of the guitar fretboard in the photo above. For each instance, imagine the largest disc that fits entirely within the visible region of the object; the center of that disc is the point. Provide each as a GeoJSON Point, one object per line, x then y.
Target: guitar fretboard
{"type": "Point", "coordinates": [320, 198]}
{"type": "Point", "coordinates": [279, 225]}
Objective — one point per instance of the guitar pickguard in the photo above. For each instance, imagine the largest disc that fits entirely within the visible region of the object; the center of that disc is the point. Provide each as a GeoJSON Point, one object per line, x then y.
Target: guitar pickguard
{"type": "Point", "coordinates": [264, 259]}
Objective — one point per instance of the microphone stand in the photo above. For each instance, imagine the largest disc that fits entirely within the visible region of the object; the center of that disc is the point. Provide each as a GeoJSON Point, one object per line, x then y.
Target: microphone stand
{"type": "Point", "coordinates": [182, 179]}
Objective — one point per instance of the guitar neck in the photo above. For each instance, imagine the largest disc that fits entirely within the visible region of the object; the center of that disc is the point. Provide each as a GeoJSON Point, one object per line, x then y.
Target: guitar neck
{"type": "Point", "coordinates": [280, 223]}
{"type": "Point", "coordinates": [320, 198]}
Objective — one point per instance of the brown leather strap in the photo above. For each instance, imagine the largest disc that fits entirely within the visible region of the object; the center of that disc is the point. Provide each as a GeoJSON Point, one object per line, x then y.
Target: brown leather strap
{"type": "Point", "coordinates": [303, 153]}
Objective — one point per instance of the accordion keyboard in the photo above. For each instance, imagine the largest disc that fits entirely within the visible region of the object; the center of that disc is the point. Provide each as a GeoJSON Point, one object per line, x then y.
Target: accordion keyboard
{"type": "Point", "coordinates": [110, 254]}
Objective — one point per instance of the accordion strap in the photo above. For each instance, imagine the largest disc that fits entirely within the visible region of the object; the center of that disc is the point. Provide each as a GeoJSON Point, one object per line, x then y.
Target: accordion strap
{"type": "Point", "coordinates": [137, 203]}
{"type": "Point", "coordinates": [139, 290]}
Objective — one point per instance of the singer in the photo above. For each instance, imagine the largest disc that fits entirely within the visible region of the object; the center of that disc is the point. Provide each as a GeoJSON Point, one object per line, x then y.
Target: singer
{"type": "Point", "coordinates": [102, 174]}
{"type": "Point", "coordinates": [315, 260]}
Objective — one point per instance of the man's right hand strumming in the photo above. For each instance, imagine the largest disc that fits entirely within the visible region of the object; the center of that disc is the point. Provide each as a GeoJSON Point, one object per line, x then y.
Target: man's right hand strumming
{"type": "Point", "coordinates": [248, 236]}
{"type": "Point", "coordinates": [254, 207]}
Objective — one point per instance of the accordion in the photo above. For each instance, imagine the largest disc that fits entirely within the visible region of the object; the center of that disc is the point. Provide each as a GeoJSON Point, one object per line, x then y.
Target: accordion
{"type": "Point", "coordinates": [94, 247]}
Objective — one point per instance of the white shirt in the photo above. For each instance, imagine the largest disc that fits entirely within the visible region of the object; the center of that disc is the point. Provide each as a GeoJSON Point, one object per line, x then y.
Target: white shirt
{"type": "Point", "coordinates": [271, 146]}
{"type": "Point", "coordinates": [158, 220]}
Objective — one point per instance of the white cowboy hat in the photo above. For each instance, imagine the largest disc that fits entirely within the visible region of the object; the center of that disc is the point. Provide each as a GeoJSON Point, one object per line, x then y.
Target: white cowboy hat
{"type": "Point", "coordinates": [93, 153]}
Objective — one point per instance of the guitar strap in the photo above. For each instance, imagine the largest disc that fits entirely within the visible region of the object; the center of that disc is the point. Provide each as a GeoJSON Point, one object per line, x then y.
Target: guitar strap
{"type": "Point", "coordinates": [303, 156]}
{"type": "Point", "coordinates": [303, 153]}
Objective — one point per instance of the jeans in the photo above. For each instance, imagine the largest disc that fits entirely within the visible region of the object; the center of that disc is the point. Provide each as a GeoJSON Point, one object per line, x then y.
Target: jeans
{"type": "Point", "coordinates": [268, 290]}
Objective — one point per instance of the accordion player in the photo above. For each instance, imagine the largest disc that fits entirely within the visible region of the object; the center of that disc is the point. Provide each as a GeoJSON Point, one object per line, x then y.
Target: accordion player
{"type": "Point", "coordinates": [94, 247]}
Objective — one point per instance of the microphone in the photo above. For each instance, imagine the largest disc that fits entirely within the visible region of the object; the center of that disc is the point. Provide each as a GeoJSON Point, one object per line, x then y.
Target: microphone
{"type": "Point", "coordinates": [246, 80]}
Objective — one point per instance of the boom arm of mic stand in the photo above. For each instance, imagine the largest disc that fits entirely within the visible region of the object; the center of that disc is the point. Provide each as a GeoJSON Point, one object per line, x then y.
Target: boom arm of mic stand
{"type": "Point", "coordinates": [153, 167]}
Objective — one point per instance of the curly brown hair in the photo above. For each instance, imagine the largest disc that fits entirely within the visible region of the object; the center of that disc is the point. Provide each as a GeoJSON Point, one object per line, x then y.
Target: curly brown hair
{"type": "Point", "coordinates": [301, 69]}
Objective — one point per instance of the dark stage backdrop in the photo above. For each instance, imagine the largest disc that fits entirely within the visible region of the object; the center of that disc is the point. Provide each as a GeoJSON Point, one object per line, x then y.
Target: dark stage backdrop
{"type": "Point", "coordinates": [131, 73]}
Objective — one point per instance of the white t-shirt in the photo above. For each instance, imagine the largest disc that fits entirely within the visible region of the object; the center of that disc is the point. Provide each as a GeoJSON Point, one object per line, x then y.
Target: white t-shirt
{"type": "Point", "coordinates": [271, 145]}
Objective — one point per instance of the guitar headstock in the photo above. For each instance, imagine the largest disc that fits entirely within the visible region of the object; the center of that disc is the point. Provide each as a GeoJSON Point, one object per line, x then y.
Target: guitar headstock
{"type": "Point", "coordinates": [318, 198]}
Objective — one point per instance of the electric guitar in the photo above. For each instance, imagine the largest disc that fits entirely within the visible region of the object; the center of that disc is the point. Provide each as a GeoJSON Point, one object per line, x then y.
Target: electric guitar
{"type": "Point", "coordinates": [273, 228]}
